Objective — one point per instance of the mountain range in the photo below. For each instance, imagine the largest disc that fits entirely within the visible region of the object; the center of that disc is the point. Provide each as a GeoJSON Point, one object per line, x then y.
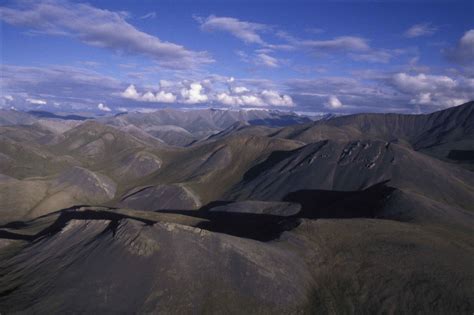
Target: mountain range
{"type": "Point", "coordinates": [214, 211]}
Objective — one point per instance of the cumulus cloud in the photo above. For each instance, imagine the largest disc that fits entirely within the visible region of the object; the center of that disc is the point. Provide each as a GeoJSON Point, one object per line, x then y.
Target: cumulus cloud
{"type": "Point", "coordinates": [333, 102]}
{"type": "Point", "coordinates": [36, 101]}
{"type": "Point", "coordinates": [210, 91]}
{"type": "Point", "coordinates": [422, 82]}
{"type": "Point", "coordinates": [245, 31]}
{"type": "Point", "coordinates": [422, 29]}
{"type": "Point", "coordinates": [433, 90]}
{"type": "Point", "coordinates": [103, 107]}
{"type": "Point", "coordinates": [261, 99]}
{"type": "Point", "coordinates": [193, 94]}
{"type": "Point", "coordinates": [71, 88]}
{"type": "Point", "coordinates": [98, 27]}
{"type": "Point", "coordinates": [273, 98]}
{"type": "Point", "coordinates": [240, 89]}
{"type": "Point", "coordinates": [238, 100]}
{"type": "Point", "coordinates": [131, 93]}
{"type": "Point", "coordinates": [464, 50]}
{"type": "Point", "coordinates": [158, 97]}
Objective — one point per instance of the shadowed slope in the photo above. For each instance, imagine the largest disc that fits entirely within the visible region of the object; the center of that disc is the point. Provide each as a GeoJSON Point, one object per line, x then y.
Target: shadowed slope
{"type": "Point", "coordinates": [345, 166]}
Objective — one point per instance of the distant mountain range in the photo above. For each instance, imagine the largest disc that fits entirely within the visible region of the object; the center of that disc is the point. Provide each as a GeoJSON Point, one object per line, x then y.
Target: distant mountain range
{"type": "Point", "coordinates": [237, 211]}
{"type": "Point", "coordinates": [174, 127]}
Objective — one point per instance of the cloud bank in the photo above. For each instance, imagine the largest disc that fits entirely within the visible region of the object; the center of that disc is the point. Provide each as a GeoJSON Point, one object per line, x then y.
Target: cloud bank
{"type": "Point", "coordinates": [101, 28]}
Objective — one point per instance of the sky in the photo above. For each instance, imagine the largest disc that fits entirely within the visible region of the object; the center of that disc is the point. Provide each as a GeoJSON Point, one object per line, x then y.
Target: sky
{"type": "Point", "coordinates": [310, 57]}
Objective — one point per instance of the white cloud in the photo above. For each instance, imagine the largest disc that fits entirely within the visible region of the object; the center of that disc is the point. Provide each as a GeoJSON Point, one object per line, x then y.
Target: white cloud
{"type": "Point", "coordinates": [433, 90]}
{"type": "Point", "coordinates": [464, 50]}
{"type": "Point", "coordinates": [422, 82]}
{"type": "Point", "coordinates": [333, 102]}
{"type": "Point", "coordinates": [245, 31]}
{"type": "Point", "coordinates": [260, 58]}
{"type": "Point", "coordinates": [208, 91]}
{"type": "Point", "coordinates": [8, 97]}
{"type": "Point", "coordinates": [192, 95]}
{"type": "Point", "coordinates": [131, 93]}
{"type": "Point", "coordinates": [422, 29]}
{"type": "Point", "coordinates": [262, 99]}
{"type": "Point", "coordinates": [229, 100]}
{"type": "Point", "coordinates": [159, 97]}
{"type": "Point", "coordinates": [240, 100]}
{"type": "Point", "coordinates": [165, 97]}
{"type": "Point", "coordinates": [273, 98]}
{"type": "Point", "coordinates": [267, 61]}
{"type": "Point", "coordinates": [357, 48]}
{"type": "Point", "coordinates": [36, 101]}
{"type": "Point", "coordinates": [71, 87]}
{"type": "Point", "coordinates": [101, 28]}
{"type": "Point", "coordinates": [103, 107]}
{"type": "Point", "coordinates": [423, 98]}
{"type": "Point", "coordinates": [343, 43]}
{"type": "Point", "coordinates": [379, 91]}
{"type": "Point", "coordinates": [239, 89]}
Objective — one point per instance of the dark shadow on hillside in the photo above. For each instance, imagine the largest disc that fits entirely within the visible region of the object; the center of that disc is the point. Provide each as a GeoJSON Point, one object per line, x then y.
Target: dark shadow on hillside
{"type": "Point", "coordinates": [317, 204]}
{"type": "Point", "coordinates": [64, 217]}
{"type": "Point", "coordinates": [276, 157]}
{"type": "Point", "coordinates": [273, 159]}
{"type": "Point", "coordinates": [260, 227]}
{"type": "Point", "coordinates": [461, 155]}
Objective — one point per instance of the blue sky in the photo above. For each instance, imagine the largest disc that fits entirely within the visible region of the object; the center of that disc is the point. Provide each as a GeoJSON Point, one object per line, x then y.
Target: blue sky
{"type": "Point", "coordinates": [303, 56]}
